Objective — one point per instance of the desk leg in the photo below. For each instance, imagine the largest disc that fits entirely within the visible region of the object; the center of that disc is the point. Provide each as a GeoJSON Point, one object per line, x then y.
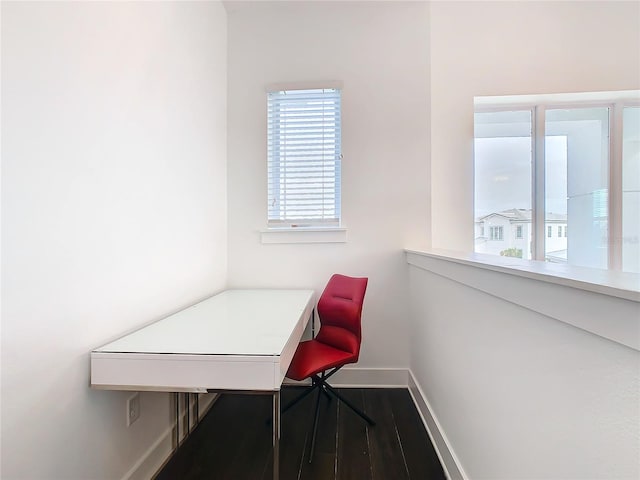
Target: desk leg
{"type": "Point", "coordinates": [276, 435]}
{"type": "Point", "coordinates": [187, 408]}
{"type": "Point", "coordinates": [176, 400]}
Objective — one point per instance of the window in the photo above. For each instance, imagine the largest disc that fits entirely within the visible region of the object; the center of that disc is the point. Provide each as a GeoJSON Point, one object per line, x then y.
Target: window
{"type": "Point", "coordinates": [303, 157]}
{"type": "Point", "coordinates": [496, 233]}
{"type": "Point", "coordinates": [518, 231]}
{"type": "Point", "coordinates": [631, 190]}
{"type": "Point", "coordinates": [502, 171]}
{"type": "Point", "coordinates": [558, 160]}
{"type": "Point", "coordinates": [576, 178]}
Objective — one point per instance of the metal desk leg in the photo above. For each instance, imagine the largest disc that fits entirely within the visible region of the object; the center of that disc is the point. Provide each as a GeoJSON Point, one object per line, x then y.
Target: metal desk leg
{"type": "Point", "coordinates": [276, 435]}
{"type": "Point", "coordinates": [176, 399]}
{"type": "Point", "coordinates": [187, 408]}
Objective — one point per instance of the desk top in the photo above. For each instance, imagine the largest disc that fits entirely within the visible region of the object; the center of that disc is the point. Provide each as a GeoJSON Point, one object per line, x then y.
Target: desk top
{"type": "Point", "coordinates": [236, 340]}
{"type": "Point", "coordinates": [234, 322]}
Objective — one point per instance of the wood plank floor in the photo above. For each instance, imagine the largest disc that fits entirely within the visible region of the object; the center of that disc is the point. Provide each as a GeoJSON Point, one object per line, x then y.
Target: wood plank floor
{"type": "Point", "coordinates": [233, 441]}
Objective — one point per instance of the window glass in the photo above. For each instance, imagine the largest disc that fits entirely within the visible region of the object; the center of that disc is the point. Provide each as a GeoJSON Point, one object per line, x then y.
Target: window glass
{"type": "Point", "coordinates": [576, 184]}
{"type": "Point", "coordinates": [497, 233]}
{"type": "Point", "coordinates": [631, 190]}
{"type": "Point", "coordinates": [502, 159]}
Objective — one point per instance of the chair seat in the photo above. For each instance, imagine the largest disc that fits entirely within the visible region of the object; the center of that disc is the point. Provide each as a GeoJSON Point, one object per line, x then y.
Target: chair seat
{"type": "Point", "coordinates": [313, 357]}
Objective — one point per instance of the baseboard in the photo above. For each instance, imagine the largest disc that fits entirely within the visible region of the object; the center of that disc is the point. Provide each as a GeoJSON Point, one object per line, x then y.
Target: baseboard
{"type": "Point", "coordinates": [151, 461]}
{"type": "Point", "coordinates": [452, 467]}
{"type": "Point", "coordinates": [161, 450]}
{"type": "Point", "coordinates": [365, 378]}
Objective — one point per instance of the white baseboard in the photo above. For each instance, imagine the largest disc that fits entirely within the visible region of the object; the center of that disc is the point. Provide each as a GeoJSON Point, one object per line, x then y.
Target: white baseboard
{"type": "Point", "coordinates": [448, 459]}
{"type": "Point", "coordinates": [151, 461]}
{"type": "Point", "coordinates": [160, 451]}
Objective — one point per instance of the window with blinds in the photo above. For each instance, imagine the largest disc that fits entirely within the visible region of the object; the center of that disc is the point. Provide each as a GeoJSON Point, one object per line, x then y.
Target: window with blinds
{"type": "Point", "coordinates": [303, 159]}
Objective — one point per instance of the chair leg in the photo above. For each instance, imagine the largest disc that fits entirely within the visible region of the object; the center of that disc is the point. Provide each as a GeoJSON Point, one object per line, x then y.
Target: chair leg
{"type": "Point", "coordinates": [321, 382]}
{"type": "Point", "coordinates": [326, 394]}
{"type": "Point", "coordinates": [355, 409]}
{"type": "Point", "coordinates": [300, 397]}
{"type": "Point", "coordinates": [315, 424]}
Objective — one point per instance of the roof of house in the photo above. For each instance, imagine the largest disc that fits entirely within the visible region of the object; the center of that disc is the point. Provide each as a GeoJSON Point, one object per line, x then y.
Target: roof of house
{"type": "Point", "coordinates": [524, 215]}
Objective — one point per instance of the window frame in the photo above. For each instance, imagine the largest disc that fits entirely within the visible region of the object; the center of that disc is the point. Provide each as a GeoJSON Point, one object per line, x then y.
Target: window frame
{"type": "Point", "coordinates": [309, 224]}
{"type": "Point", "coordinates": [537, 105]}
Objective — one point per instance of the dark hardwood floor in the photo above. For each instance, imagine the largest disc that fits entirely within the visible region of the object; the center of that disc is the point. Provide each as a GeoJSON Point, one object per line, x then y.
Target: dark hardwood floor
{"type": "Point", "coordinates": [233, 441]}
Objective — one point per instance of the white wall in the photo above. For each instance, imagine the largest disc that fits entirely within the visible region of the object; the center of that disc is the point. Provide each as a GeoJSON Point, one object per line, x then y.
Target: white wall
{"type": "Point", "coordinates": [509, 48]}
{"type": "Point", "coordinates": [113, 213]}
{"type": "Point", "coordinates": [517, 393]}
{"type": "Point", "coordinates": [380, 53]}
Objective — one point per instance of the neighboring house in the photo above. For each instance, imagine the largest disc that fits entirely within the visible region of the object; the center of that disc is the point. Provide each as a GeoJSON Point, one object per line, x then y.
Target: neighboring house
{"type": "Point", "coordinates": [508, 233]}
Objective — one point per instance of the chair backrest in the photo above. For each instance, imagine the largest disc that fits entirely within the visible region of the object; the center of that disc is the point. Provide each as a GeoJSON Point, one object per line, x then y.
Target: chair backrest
{"type": "Point", "coordinates": [340, 310]}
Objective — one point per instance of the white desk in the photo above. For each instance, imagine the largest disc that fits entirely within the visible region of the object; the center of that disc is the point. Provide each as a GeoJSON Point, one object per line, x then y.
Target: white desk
{"type": "Point", "coordinates": [238, 340]}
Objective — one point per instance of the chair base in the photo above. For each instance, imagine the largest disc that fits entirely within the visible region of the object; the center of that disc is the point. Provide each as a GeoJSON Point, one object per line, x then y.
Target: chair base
{"type": "Point", "coordinates": [320, 383]}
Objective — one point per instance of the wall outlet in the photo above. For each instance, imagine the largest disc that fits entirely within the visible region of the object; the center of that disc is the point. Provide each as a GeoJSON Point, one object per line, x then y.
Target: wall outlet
{"type": "Point", "coordinates": [133, 408]}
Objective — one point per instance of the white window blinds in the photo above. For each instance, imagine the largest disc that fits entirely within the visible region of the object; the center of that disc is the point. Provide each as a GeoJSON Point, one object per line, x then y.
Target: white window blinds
{"type": "Point", "coordinates": [304, 152]}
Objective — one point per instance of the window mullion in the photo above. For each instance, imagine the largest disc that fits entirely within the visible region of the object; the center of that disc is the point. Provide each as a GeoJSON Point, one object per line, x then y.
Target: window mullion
{"type": "Point", "coordinates": [538, 179]}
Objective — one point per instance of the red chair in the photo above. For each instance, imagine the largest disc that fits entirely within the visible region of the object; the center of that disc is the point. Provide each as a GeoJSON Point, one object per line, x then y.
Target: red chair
{"type": "Point", "coordinates": [337, 343]}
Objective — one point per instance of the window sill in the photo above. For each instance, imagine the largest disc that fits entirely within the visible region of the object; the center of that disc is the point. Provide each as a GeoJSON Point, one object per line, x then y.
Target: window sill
{"type": "Point", "coordinates": [607, 282]}
{"type": "Point", "coordinates": [304, 235]}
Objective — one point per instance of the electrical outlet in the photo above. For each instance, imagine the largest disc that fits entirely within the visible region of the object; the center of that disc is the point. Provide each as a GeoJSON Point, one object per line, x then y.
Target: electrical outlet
{"type": "Point", "coordinates": [133, 408]}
